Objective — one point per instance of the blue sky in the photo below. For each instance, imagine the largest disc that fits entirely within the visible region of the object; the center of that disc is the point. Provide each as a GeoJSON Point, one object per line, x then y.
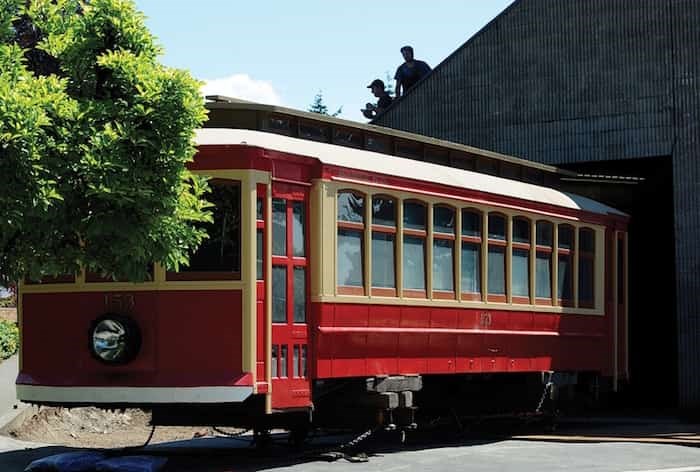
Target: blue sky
{"type": "Point", "coordinates": [284, 52]}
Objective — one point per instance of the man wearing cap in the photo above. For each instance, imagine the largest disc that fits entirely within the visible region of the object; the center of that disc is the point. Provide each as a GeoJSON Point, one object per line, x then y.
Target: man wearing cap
{"type": "Point", "coordinates": [372, 111]}
{"type": "Point", "coordinates": [410, 72]}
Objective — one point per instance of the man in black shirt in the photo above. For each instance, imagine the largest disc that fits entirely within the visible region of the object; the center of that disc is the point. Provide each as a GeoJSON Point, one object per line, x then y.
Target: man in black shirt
{"type": "Point", "coordinates": [371, 111]}
{"type": "Point", "coordinates": [410, 72]}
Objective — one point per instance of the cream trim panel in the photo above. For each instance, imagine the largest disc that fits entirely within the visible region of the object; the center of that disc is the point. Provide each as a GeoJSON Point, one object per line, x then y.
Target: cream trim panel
{"type": "Point", "coordinates": [324, 243]}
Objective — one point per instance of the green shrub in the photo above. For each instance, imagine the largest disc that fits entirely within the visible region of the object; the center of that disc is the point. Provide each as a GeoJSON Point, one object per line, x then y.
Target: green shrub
{"type": "Point", "coordinates": [9, 338]}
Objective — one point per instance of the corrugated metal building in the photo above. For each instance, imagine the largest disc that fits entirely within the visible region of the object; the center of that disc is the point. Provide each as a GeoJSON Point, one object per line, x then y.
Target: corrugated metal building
{"type": "Point", "coordinates": [610, 89]}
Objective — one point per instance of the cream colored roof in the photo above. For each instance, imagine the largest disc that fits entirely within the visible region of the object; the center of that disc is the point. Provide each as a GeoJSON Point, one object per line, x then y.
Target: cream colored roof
{"type": "Point", "coordinates": [399, 167]}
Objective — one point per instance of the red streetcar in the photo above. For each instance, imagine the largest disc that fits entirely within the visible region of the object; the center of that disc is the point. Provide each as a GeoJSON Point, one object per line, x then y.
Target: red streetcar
{"type": "Point", "coordinates": [345, 282]}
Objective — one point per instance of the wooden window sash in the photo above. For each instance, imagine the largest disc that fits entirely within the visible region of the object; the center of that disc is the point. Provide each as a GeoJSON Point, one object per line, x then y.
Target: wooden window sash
{"type": "Point", "coordinates": [383, 229]}
{"type": "Point", "coordinates": [444, 236]}
{"type": "Point", "coordinates": [351, 290]}
{"type": "Point", "coordinates": [413, 293]}
{"type": "Point", "coordinates": [384, 292]}
{"type": "Point", "coordinates": [351, 225]}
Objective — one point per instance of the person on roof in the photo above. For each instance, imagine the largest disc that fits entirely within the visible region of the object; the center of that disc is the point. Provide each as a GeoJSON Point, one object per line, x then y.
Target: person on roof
{"type": "Point", "coordinates": [410, 72]}
{"type": "Point", "coordinates": [371, 111]}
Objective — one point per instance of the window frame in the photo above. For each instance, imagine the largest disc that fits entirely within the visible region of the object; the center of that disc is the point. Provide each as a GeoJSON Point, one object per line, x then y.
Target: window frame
{"type": "Point", "coordinates": [522, 246]}
{"type": "Point", "coordinates": [502, 243]}
{"type": "Point", "coordinates": [384, 229]}
{"type": "Point", "coordinates": [441, 236]}
{"type": "Point", "coordinates": [479, 242]}
{"type": "Point", "coordinates": [544, 249]}
{"type": "Point", "coordinates": [571, 255]}
{"type": "Point", "coordinates": [210, 275]}
{"type": "Point", "coordinates": [423, 234]}
{"type": "Point", "coordinates": [591, 255]}
{"type": "Point", "coordinates": [358, 290]}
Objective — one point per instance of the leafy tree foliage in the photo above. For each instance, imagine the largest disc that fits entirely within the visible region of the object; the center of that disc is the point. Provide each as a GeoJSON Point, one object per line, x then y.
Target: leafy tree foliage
{"type": "Point", "coordinates": [319, 106]}
{"type": "Point", "coordinates": [94, 137]}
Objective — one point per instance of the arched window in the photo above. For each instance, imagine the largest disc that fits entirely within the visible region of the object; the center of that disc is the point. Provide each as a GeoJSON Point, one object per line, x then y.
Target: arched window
{"type": "Point", "coordinates": [351, 227]}
{"type": "Point", "coordinates": [522, 236]}
{"type": "Point", "coordinates": [383, 245]}
{"type": "Point", "coordinates": [414, 235]}
{"type": "Point", "coordinates": [443, 251]}
{"type": "Point", "coordinates": [471, 255]}
{"type": "Point", "coordinates": [543, 262]}
{"type": "Point", "coordinates": [586, 268]}
{"type": "Point", "coordinates": [565, 265]}
{"type": "Point", "coordinates": [497, 257]}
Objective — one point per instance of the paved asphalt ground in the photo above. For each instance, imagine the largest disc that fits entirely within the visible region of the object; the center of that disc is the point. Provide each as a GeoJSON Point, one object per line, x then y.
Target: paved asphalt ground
{"type": "Point", "coordinates": [586, 445]}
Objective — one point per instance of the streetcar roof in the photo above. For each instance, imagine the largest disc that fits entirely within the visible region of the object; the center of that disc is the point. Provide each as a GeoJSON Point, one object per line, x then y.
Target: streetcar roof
{"type": "Point", "coordinates": [375, 162]}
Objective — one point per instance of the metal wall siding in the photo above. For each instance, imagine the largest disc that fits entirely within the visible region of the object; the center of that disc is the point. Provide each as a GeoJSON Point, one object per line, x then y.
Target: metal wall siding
{"type": "Point", "coordinates": [685, 27]}
{"type": "Point", "coordinates": [563, 82]}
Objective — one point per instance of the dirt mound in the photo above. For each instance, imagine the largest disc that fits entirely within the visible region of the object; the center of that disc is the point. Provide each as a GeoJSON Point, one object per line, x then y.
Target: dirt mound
{"type": "Point", "coordinates": [93, 427]}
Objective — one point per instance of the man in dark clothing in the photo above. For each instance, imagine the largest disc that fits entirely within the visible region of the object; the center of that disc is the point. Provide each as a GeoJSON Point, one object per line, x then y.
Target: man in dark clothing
{"type": "Point", "coordinates": [410, 72]}
{"type": "Point", "coordinates": [378, 90]}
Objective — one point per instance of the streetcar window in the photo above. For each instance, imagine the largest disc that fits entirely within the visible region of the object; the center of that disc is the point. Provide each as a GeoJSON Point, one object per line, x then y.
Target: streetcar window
{"type": "Point", "coordinates": [437, 156]}
{"type": "Point", "coordinates": [543, 275]}
{"type": "Point", "coordinates": [299, 225]}
{"type": "Point", "coordinates": [279, 294]}
{"type": "Point", "coordinates": [259, 246]}
{"type": "Point", "coordinates": [443, 262]}
{"type": "Point", "coordinates": [275, 360]}
{"type": "Point", "coordinates": [414, 215]}
{"type": "Point", "coordinates": [295, 361]}
{"type": "Point", "coordinates": [383, 211]}
{"type": "Point", "coordinates": [471, 267]}
{"type": "Point", "coordinates": [565, 278]}
{"type": "Point", "coordinates": [299, 295]}
{"type": "Point", "coordinates": [443, 248]}
{"type": "Point", "coordinates": [521, 272]}
{"type": "Point", "coordinates": [383, 260]}
{"type": "Point", "coordinates": [413, 263]}
{"type": "Point", "coordinates": [497, 270]}
{"type": "Point", "coordinates": [471, 255]}
{"type": "Point", "coordinates": [350, 255]}
{"type": "Point", "coordinates": [521, 230]}
{"type": "Point", "coordinates": [586, 293]}
{"type": "Point", "coordinates": [351, 207]}
{"type": "Point", "coordinates": [543, 260]}
{"type": "Point", "coordinates": [496, 259]}
{"type": "Point", "coordinates": [351, 228]}
{"type": "Point", "coordinates": [409, 149]}
{"type": "Point", "coordinates": [377, 143]}
{"type": "Point", "coordinates": [443, 220]}
{"type": "Point", "coordinates": [279, 227]}
{"type": "Point", "coordinates": [313, 131]}
{"type": "Point", "coordinates": [544, 233]}
{"type": "Point", "coordinates": [497, 226]}
{"type": "Point", "coordinates": [279, 124]}
{"type": "Point", "coordinates": [414, 248]}
{"type": "Point", "coordinates": [521, 258]}
{"type": "Point", "coordinates": [566, 237]}
{"type": "Point", "coordinates": [383, 243]}
{"type": "Point", "coordinates": [348, 137]}
{"type": "Point", "coordinates": [219, 256]}
{"type": "Point", "coordinates": [471, 223]}
{"type": "Point", "coordinates": [565, 264]}
{"type": "Point", "coordinates": [283, 360]}
{"type": "Point", "coordinates": [259, 209]}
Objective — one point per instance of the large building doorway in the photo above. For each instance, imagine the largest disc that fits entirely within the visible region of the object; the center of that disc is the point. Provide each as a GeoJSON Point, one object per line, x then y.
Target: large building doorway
{"type": "Point", "coordinates": [643, 188]}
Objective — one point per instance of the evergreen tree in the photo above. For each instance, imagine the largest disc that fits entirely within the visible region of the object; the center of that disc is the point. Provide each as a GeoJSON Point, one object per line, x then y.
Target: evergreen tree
{"type": "Point", "coordinates": [318, 106]}
{"type": "Point", "coordinates": [94, 137]}
{"type": "Point", "coordinates": [389, 82]}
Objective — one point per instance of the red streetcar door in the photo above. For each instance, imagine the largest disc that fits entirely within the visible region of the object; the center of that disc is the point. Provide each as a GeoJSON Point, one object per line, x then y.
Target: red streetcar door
{"type": "Point", "coordinates": [290, 282]}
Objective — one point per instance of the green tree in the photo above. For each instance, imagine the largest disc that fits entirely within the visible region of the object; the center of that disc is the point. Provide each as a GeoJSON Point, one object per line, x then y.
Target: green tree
{"type": "Point", "coordinates": [319, 106]}
{"type": "Point", "coordinates": [389, 82]}
{"type": "Point", "coordinates": [94, 137]}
